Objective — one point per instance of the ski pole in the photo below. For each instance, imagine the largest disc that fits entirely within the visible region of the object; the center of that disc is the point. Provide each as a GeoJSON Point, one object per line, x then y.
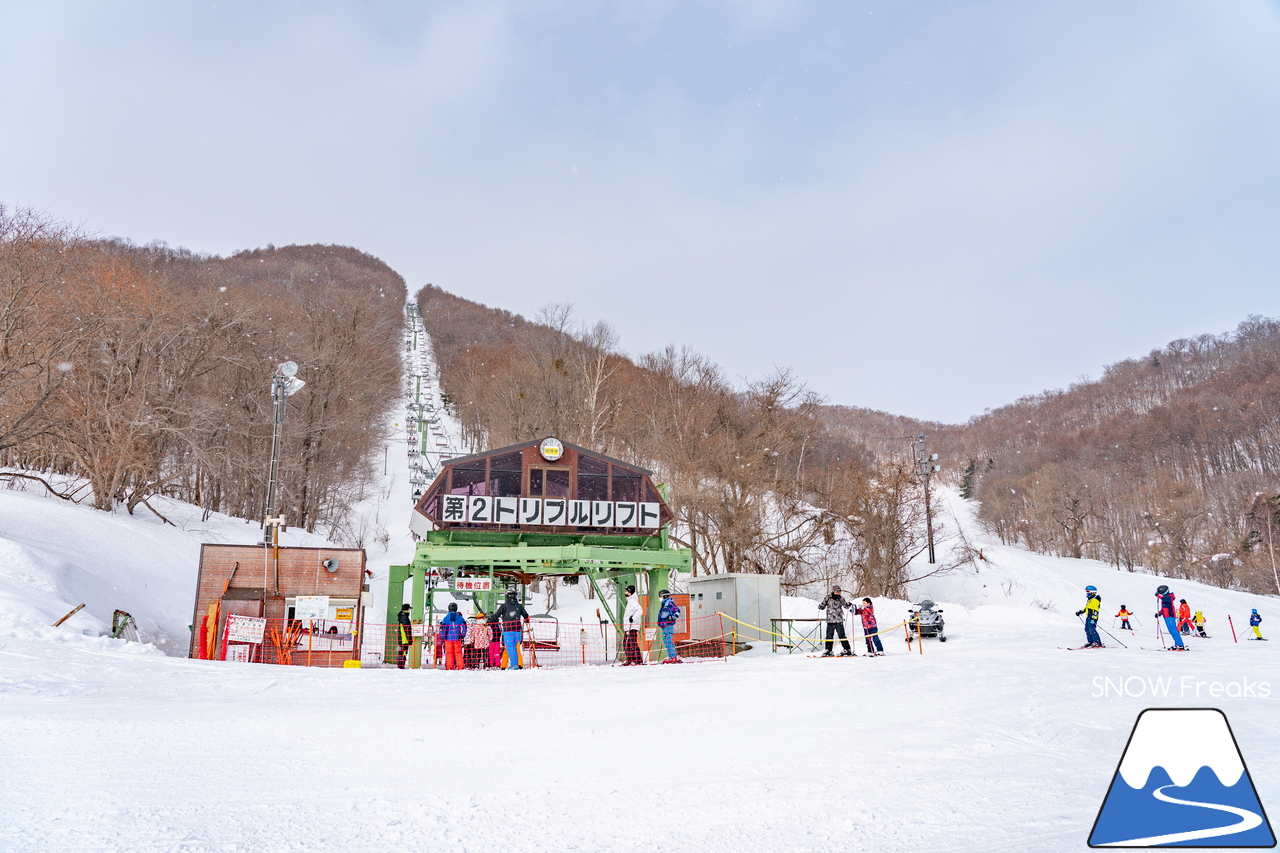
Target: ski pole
{"type": "Point", "coordinates": [1233, 629]}
{"type": "Point", "coordinates": [1112, 636]}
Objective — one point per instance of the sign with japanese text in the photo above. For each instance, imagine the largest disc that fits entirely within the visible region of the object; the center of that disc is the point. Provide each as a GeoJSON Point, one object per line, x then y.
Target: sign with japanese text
{"type": "Point", "coordinates": [240, 653]}
{"type": "Point", "coordinates": [473, 584]}
{"type": "Point", "coordinates": [550, 512]}
{"type": "Point", "coordinates": [311, 607]}
{"type": "Point", "coordinates": [245, 629]}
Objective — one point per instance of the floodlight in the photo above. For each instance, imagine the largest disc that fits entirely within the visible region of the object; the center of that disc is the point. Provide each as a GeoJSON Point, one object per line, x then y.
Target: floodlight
{"type": "Point", "coordinates": [289, 369]}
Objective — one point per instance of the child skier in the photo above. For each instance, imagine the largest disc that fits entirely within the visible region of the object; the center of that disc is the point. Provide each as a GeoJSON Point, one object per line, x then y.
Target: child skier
{"type": "Point", "coordinates": [1184, 616]}
{"type": "Point", "coordinates": [1255, 622]}
{"type": "Point", "coordinates": [835, 605]}
{"type": "Point", "coordinates": [668, 615]}
{"type": "Point", "coordinates": [1092, 603]}
{"type": "Point", "coordinates": [1123, 616]}
{"type": "Point", "coordinates": [1170, 620]}
{"type": "Point", "coordinates": [1198, 620]}
{"type": "Point", "coordinates": [870, 632]}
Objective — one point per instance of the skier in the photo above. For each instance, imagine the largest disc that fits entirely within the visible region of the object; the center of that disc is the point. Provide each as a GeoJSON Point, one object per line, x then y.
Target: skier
{"type": "Point", "coordinates": [1184, 616]}
{"type": "Point", "coordinates": [668, 615]}
{"type": "Point", "coordinates": [1170, 620]}
{"type": "Point", "coordinates": [1123, 616]}
{"type": "Point", "coordinates": [632, 622]}
{"type": "Point", "coordinates": [1092, 603]}
{"type": "Point", "coordinates": [453, 630]}
{"type": "Point", "coordinates": [870, 632]}
{"type": "Point", "coordinates": [1198, 620]}
{"type": "Point", "coordinates": [1255, 622]}
{"type": "Point", "coordinates": [835, 606]}
{"type": "Point", "coordinates": [510, 613]}
{"type": "Point", "coordinates": [404, 634]}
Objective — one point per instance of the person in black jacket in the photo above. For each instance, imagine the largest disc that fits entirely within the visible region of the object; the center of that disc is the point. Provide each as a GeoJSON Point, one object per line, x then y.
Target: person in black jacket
{"type": "Point", "coordinates": [835, 605]}
{"type": "Point", "coordinates": [513, 617]}
{"type": "Point", "coordinates": [404, 633]}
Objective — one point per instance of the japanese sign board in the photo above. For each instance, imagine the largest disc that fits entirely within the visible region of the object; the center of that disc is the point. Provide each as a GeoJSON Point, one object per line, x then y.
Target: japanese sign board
{"type": "Point", "coordinates": [245, 629]}
{"type": "Point", "coordinates": [473, 584]}
{"type": "Point", "coordinates": [311, 607]}
{"type": "Point", "coordinates": [552, 512]}
{"type": "Point", "coordinates": [240, 653]}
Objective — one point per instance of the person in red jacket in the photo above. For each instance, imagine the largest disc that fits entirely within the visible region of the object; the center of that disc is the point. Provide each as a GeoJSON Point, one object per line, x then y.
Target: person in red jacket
{"type": "Point", "coordinates": [870, 632]}
{"type": "Point", "coordinates": [1184, 617]}
{"type": "Point", "coordinates": [1123, 616]}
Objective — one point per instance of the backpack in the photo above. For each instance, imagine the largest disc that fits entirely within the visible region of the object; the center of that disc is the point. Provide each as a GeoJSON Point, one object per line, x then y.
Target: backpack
{"type": "Point", "coordinates": [670, 611]}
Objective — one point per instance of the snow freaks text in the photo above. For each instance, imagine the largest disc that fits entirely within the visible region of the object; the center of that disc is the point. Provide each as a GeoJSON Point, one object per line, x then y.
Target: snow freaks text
{"type": "Point", "coordinates": [1185, 687]}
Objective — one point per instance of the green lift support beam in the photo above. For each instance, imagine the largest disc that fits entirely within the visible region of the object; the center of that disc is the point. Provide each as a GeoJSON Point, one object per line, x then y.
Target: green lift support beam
{"type": "Point", "coordinates": [519, 557]}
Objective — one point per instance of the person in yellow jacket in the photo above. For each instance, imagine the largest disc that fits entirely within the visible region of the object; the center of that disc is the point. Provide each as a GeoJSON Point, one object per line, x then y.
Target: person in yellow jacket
{"type": "Point", "coordinates": [1090, 612]}
{"type": "Point", "coordinates": [1199, 621]}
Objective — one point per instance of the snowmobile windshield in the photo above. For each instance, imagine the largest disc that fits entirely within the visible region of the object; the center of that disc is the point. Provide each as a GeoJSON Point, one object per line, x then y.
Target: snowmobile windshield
{"type": "Point", "coordinates": [925, 604]}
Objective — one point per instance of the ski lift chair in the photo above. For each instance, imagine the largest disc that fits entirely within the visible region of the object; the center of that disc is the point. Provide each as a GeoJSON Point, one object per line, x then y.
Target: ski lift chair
{"type": "Point", "coordinates": [544, 633]}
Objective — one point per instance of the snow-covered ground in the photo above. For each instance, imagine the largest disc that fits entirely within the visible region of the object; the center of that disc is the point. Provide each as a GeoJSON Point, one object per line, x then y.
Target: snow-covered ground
{"type": "Point", "coordinates": [996, 740]}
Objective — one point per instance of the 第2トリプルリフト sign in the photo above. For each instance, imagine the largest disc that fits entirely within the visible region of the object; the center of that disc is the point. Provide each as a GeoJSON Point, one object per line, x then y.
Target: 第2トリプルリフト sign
{"type": "Point", "coordinates": [552, 512]}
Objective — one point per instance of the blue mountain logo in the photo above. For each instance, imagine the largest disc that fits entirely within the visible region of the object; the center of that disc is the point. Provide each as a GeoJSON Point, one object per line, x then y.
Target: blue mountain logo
{"type": "Point", "coordinates": [1182, 783]}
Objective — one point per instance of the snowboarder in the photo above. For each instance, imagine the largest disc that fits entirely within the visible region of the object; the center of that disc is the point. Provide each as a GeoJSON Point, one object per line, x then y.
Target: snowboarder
{"type": "Point", "coordinates": [1255, 622]}
{"type": "Point", "coordinates": [453, 630]}
{"type": "Point", "coordinates": [1170, 620]}
{"type": "Point", "coordinates": [1198, 620]}
{"type": "Point", "coordinates": [1184, 616]}
{"type": "Point", "coordinates": [835, 606]}
{"type": "Point", "coordinates": [870, 632]}
{"type": "Point", "coordinates": [1090, 611]}
{"type": "Point", "coordinates": [1123, 616]}
{"type": "Point", "coordinates": [668, 615]}
{"type": "Point", "coordinates": [404, 634]}
{"type": "Point", "coordinates": [510, 613]}
{"type": "Point", "coordinates": [632, 622]}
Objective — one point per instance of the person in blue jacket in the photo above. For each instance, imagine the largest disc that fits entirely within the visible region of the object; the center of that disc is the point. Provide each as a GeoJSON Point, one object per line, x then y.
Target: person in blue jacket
{"type": "Point", "coordinates": [1255, 622]}
{"type": "Point", "coordinates": [668, 615]}
{"type": "Point", "coordinates": [1169, 614]}
{"type": "Point", "coordinates": [453, 630]}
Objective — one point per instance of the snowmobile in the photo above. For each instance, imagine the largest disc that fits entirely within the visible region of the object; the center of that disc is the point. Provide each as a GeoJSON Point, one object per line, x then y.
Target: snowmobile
{"type": "Point", "coordinates": [926, 621]}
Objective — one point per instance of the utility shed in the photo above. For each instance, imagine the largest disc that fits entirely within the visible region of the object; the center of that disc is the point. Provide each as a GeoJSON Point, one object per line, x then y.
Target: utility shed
{"type": "Point", "coordinates": [750, 598]}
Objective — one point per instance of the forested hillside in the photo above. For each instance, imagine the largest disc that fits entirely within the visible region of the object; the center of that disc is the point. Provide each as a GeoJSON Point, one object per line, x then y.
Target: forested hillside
{"type": "Point", "coordinates": [1170, 462]}
{"type": "Point", "coordinates": [764, 478]}
{"type": "Point", "coordinates": [146, 370]}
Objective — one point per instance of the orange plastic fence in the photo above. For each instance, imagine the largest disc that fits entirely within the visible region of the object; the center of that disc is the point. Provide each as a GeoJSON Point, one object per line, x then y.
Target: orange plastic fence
{"type": "Point", "coordinates": [544, 642]}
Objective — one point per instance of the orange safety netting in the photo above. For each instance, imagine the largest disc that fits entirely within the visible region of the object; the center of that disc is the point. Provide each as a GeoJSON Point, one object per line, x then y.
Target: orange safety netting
{"type": "Point", "coordinates": [542, 642]}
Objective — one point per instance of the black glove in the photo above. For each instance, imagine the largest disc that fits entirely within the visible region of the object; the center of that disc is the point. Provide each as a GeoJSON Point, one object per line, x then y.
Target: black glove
{"type": "Point", "coordinates": [1078, 612]}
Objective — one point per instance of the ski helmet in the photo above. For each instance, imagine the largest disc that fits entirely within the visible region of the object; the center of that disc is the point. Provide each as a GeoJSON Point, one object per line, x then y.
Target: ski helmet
{"type": "Point", "coordinates": [511, 595]}
{"type": "Point", "coordinates": [453, 607]}
{"type": "Point", "coordinates": [1255, 610]}
{"type": "Point", "coordinates": [664, 592]}
{"type": "Point", "coordinates": [1124, 607]}
{"type": "Point", "coordinates": [1162, 589]}
{"type": "Point", "coordinates": [631, 590]}
{"type": "Point", "coordinates": [406, 606]}
{"type": "Point", "coordinates": [1091, 588]}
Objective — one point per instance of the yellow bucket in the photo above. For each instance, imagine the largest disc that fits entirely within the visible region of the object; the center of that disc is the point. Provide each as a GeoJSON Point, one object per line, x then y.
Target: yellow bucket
{"type": "Point", "coordinates": [351, 664]}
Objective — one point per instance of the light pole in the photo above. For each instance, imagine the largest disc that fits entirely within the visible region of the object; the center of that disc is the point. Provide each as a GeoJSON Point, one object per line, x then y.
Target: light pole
{"type": "Point", "coordinates": [284, 384]}
{"type": "Point", "coordinates": [926, 467]}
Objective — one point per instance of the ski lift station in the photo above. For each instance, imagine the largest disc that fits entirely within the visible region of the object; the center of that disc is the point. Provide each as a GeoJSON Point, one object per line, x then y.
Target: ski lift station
{"type": "Point", "coordinates": [499, 520]}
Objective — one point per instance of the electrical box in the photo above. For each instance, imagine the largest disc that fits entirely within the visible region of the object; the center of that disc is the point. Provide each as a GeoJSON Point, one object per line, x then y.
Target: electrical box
{"type": "Point", "coordinates": [749, 598]}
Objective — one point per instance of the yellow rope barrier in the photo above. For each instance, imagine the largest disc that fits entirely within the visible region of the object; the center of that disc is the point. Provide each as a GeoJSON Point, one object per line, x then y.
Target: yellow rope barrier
{"type": "Point", "coordinates": [793, 637]}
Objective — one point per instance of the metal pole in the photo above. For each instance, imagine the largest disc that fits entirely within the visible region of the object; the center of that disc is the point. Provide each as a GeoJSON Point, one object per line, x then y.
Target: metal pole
{"type": "Point", "coordinates": [277, 416]}
{"type": "Point", "coordinates": [925, 467]}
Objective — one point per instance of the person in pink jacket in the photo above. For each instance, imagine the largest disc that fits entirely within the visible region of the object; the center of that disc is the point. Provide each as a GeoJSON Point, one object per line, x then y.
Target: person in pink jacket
{"type": "Point", "coordinates": [870, 632]}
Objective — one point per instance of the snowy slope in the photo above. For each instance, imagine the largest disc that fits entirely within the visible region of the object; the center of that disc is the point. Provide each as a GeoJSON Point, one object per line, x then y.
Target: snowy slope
{"type": "Point", "coordinates": [996, 740]}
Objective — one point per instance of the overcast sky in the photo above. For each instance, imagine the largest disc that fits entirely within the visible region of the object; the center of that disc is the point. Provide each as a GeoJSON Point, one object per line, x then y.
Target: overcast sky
{"type": "Point", "coordinates": [925, 208]}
